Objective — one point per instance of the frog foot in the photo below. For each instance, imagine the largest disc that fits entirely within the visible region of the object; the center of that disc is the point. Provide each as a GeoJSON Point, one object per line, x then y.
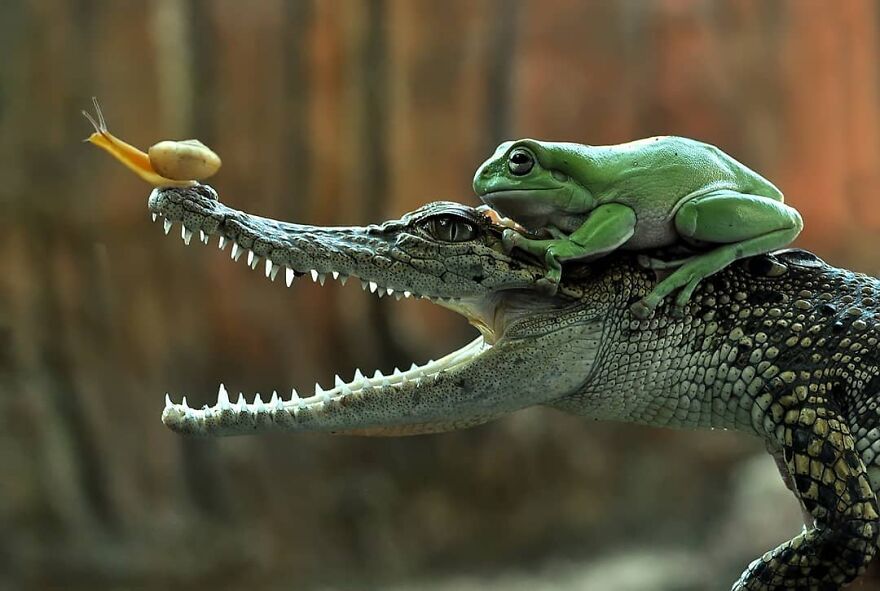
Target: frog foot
{"type": "Point", "coordinates": [642, 308]}
{"type": "Point", "coordinates": [547, 285]}
{"type": "Point", "coordinates": [684, 294]}
{"type": "Point", "coordinates": [645, 306]}
{"type": "Point", "coordinates": [655, 264]}
{"type": "Point", "coordinates": [510, 239]}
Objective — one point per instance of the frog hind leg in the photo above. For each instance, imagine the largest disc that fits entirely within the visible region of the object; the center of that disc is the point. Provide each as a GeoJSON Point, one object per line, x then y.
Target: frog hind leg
{"type": "Point", "coordinates": [742, 225]}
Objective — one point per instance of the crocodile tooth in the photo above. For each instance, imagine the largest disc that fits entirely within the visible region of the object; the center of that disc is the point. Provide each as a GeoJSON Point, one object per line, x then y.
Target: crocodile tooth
{"type": "Point", "coordinates": [236, 251]}
{"type": "Point", "coordinates": [274, 399]}
{"type": "Point", "coordinates": [314, 274]}
{"type": "Point", "coordinates": [186, 234]}
{"type": "Point", "coordinates": [275, 270]}
{"type": "Point", "coordinates": [221, 244]}
{"type": "Point", "coordinates": [167, 225]}
{"type": "Point", "coordinates": [269, 267]}
{"type": "Point", "coordinates": [259, 406]}
{"type": "Point", "coordinates": [202, 236]}
{"type": "Point", "coordinates": [252, 259]}
{"type": "Point", "coordinates": [242, 403]}
{"type": "Point", "coordinates": [358, 376]}
{"type": "Point", "coordinates": [389, 290]}
{"type": "Point", "coordinates": [373, 286]}
{"type": "Point", "coordinates": [154, 217]}
{"type": "Point", "coordinates": [343, 279]}
{"type": "Point", "coordinates": [398, 296]}
{"type": "Point", "coordinates": [277, 402]}
{"type": "Point", "coordinates": [378, 375]}
{"type": "Point", "coordinates": [321, 278]}
{"type": "Point", "coordinates": [407, 294]}
{"type": "Point", "coordinates": [337, 381]}
{"type": "Point", "coordinates": [294, 396]}
{"type": "Point", "coordinates": [184, 404]}
{"type": "Point", "coordinates": [335, 274]}
{"type": "Point", "coordinates": [223, 398]}
{"type": "Point", "coordinates": [323, 395]}
{"type": "Point", "coordinates": [288, 276]}
{"type": "Point", "coordinates": [167, 400]}
{"type": "Point", "coordinates": [363, 285]}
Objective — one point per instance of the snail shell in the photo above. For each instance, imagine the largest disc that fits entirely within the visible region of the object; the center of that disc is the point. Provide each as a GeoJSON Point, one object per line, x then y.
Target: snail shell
{"type": "Point", "coordinates": [184, 160]}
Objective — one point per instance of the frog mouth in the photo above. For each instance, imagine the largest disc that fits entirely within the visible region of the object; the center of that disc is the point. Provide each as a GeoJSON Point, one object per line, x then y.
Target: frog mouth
{"type": "Point", "coordinates": [530, 211]}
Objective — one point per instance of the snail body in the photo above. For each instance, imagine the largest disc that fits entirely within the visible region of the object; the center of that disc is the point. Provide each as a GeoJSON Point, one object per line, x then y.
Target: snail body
{"type": "Point", "coordinates": [168, 163]}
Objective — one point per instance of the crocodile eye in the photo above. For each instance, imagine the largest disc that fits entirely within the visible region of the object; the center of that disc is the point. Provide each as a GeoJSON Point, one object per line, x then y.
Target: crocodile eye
{"type": "Point", "coordinates": [450, 229]}
{"type": "Point", "coordinates": [520, 162]}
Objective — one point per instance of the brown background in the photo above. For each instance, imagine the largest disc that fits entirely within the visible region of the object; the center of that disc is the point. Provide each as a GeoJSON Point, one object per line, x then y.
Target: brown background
{"type": "Point", "coordinates": [347, 112]}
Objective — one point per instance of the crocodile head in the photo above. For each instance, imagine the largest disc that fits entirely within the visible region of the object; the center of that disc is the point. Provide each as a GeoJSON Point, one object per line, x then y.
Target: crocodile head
{"type": "Point", "coordinates": [533, 348]}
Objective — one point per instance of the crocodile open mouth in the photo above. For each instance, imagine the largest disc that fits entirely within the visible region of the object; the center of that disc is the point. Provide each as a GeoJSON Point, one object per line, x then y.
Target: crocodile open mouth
{"type": "Point", "coordinates": [279, 257]}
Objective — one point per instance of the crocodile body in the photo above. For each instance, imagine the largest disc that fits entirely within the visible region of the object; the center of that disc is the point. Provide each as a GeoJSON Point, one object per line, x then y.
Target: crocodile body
{"type": "Point", "coordinates": [779, 346]}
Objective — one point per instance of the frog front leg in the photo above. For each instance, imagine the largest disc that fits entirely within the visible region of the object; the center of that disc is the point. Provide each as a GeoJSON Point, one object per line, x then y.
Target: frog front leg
{"type": "Point", "coordinates": [606, 228]}
{"type": "Point", "coordinates": [742, 225]}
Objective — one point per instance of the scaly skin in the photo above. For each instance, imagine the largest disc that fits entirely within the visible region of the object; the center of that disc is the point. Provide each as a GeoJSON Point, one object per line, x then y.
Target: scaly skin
{"type": "Point", "coordinates": [781, 346]}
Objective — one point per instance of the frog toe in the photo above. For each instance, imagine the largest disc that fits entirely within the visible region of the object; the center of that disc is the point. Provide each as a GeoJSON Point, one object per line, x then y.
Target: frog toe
{"type": "Point", "coordinates": [510, 239]}
{"type": "Point", "coordinates": [641, 309]}
{"type": "Point", "coordinates": [684, 294]}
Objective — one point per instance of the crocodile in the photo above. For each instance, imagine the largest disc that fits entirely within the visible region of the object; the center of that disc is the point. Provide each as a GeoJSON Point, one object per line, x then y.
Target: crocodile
{"type": "Point", "coordinates": [781, 346]}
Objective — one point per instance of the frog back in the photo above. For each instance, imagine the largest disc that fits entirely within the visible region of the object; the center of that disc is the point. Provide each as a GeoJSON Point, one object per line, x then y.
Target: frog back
{"type": "Point", "coordinates": [654, 177]}
{"type": "Point", "coordinates": [664, 168]}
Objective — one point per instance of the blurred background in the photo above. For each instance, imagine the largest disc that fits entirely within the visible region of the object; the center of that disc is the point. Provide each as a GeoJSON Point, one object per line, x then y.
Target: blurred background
{"type": "Point", "coordinates": [349, 112]}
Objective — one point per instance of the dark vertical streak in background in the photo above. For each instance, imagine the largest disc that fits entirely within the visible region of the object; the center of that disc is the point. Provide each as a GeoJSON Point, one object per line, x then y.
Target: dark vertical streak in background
{"type": "Point", "coordinates": [298, 17]}
{"type": "Point", "coordinates": [373, 154]}
{"type": "Point", "coordinates": [67, 398]}
{"type": "Point", "coordinates": [500, 81]}
{"type": "Point", "coordinates": [204, 70]}
{"type": "Point", "coordinates": [374, 95]}
{"type": "Point", "coordinates": [199, 458]}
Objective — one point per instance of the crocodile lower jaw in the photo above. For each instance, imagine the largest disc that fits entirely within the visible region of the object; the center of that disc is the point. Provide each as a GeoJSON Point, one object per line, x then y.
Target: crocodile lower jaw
{"type": "Point", "coordinates": [283, 411]}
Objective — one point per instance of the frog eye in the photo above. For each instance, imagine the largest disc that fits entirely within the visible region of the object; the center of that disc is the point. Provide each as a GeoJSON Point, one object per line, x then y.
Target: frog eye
{"type": "Point", "coordinates": [520, 162]}
{"type": "Point", "coordinates": [450, 228]}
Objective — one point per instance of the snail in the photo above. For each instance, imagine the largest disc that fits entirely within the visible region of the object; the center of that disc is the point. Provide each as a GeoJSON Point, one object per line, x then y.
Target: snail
{"type": "Point", "coordinates": [167, 164]}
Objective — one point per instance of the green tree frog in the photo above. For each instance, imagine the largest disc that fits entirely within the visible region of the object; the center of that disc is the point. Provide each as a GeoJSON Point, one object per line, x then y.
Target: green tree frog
{"type": "Point", "coordinates": [647, 194]}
